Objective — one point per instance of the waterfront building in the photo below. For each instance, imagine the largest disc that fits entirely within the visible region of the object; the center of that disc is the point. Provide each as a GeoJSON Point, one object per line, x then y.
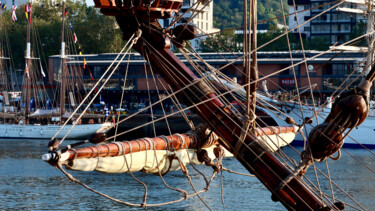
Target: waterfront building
{"type": "Point", "coordinates": [326, 71]}
{"type": "Point", "coordinates": [201, 16]}
{"type": "Point", "coordinates": [333, 26]}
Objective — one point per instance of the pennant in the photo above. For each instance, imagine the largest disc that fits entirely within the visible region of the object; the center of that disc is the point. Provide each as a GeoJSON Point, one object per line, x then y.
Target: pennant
{"type": "Point", "coordinates": [75, 38]}
{"type": "Point", "coordinates": [4, 6]}
{"type": "Point", "coordinates": [84, 64]}
{"type": "Point", "coordinates": [102, 101]}
{"type": "Point", "coordinates": [71, 26]}
{"type": "Point", "coordinates": [42, 5]}
{"type": "Point", "coordinates": [114, 121]}
{"type": "Point", "coordinates": [14, 17]}
{"type": "Point", "coordinates": [41, 69]}
{"type": "Point", "coordinates": [26, 12]}
{"type": "Point", "coordinates": [106, 112]}
{"type": "Point", "coordinates": [66, 12]}
{"type": "Point", "coordinates": [27, 70]}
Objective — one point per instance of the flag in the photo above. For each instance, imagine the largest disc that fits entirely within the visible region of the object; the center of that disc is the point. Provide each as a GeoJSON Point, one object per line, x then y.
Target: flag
{"type": "Point", "coordinates": [71, 26]}
{"type": "Point", "coordinates": [66, 12]}
{"type": "Point", "coordinates": [27, 70]}
{"type": "Point", "coordinates": [113, 121]}
{"type": "Point", "coordinates": [4, 6]}
{"type": "Point", "coordinates": [14, 17]}
{"type": "Point", "coordinates": [106, 112]}
{"type": "Point", "coordinates": [41, 69]}
{"type": "Point", "coordinates": [26, 12]}
{"type": "Point", "coordinates": [75, 38]}
{"type": "Point", "coordinates": [84, 63]}
{"type": "Point", "coordinates": [102, 101]}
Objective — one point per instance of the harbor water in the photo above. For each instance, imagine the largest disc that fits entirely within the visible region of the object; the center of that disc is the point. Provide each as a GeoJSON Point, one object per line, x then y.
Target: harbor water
{"type": "Point", "coordinates": [28, 183]}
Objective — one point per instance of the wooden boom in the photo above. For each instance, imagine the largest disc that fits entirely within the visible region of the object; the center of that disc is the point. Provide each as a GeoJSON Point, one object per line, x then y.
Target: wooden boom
{"type": "Point", "coordinates": [192, 140]}
{"type": "Point", "coordinates": [154, 45]}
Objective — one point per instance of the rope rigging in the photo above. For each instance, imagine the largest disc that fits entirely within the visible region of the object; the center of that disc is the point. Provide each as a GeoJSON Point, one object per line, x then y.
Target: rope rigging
{"type": "Point", "coordinates": [285, 178]}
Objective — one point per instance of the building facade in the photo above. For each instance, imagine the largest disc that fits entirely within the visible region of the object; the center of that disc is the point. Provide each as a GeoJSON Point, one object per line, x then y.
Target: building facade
{"type": "Point", "coordinates": [200, 15]}
{"type": "Point", "coordinates": [326, 72]}
{"type": "Point", "coordinates": [333, 26]}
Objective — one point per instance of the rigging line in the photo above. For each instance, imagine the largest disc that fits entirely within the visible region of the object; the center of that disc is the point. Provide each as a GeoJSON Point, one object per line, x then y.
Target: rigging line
{"type": "Point", "coordinates": [181, 16]}
{"type": "Point", "coordinates": [197, 56]}
{"type": "Point", "coordinates": [293, 69]}
{"type": "Point", "coordinates": [330, 181]}
{"type": "Point", "coordinates": [194, 15]}
{"type": "Point", "coordinates": [346, 87]}
{"type": "Point", "coordinates": [98, 92]}
{"type": "Point", "coordinates": [359, 160]}
{"type": "Point", "coordinates": [174, 78]}
{"type": "Point", "coordinates": [235, 123]}
{"type": "Point", "coordinates": [304, 57]}
{"type": "Point", "coordinates": [268, 20]}
{"type": "Point", "coordinates": [195, 65]}
{"type": "Point", "coordinates": [101, 78]}
{"type": "Point", "coordinates": [278, 152]}
{"type": "Point", "coordinates": [363, 146]}
{"type": "Point", "coordinates": [173, 100]}
{"type": "Point", "coordinates": [119, 201]}
{"type": "Point", "coordinates": [343, 191]}
{"type": "Point", "coordinates": [276, 72]}
{"type": "Point", "coordinates": [122, 96]}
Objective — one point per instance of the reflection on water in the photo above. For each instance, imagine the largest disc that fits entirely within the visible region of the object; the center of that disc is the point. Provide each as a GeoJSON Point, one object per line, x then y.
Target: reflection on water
{"type": "Point", "coordinates": [31, 184]}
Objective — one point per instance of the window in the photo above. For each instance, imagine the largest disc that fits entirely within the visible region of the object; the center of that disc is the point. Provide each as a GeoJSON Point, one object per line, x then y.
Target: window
{"type": "Point", "coordinates": [166, 22]}
{"type": "Point", "coordinates": [289, 71]}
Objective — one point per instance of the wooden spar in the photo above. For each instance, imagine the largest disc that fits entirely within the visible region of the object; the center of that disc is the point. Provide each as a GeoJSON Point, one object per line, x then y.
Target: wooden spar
{"type": "Point", "coordinates": [175, 142]}
{"type": "Point", "coordinates": [63, 70]}
{"type": "Point", "coordinates": [228, 127]}
{"type": "Point", "coordinates": [28, 67]}
{"type": "Point", "coordinates": [253, 156]}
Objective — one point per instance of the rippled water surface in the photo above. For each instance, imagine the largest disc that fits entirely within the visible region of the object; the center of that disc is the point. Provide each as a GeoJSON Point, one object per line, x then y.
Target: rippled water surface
{"type": "Point", "coordinates": [26, 182]}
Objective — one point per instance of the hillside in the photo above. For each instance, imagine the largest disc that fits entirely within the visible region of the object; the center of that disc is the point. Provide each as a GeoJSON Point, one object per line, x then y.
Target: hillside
{"type": "Point", "coordinates": [228, 13]}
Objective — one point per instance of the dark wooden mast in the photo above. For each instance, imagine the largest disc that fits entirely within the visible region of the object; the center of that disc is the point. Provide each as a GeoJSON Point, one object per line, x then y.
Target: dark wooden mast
{"type": "Point", "coordinates": [63, 69]}
{"type": "Point", "coordinates": [155, 42]}
{"type": "Point", "coordinates": [28, 66]}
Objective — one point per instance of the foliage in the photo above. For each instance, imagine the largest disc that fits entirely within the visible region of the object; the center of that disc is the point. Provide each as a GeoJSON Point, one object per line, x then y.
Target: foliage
{"type": "Point", "coordinates": [358, 30]}
{"type": "Point", "coordinates": [96, 33]}
{"type": "Point", "coordinates": [228, 13]}
{"type": "Point", "coordinates": [228, 41]}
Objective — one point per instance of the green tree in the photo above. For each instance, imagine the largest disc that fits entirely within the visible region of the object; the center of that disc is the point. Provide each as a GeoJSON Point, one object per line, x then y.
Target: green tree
{"type": "Point", "coordinates": [96, 33]}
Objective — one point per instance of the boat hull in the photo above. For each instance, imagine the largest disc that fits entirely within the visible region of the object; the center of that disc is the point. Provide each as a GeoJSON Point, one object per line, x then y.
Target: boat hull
{"type": "Point", "coordinates": [359, 137]}
{"type": "Point", "coordinates": [48, 131]}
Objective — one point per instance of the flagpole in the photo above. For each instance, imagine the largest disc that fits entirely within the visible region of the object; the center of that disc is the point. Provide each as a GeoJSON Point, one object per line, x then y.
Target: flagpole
{"type": "Point", "coordinates": [63, 71]}
{"type": "Point", "coordinates": [28, 68]}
